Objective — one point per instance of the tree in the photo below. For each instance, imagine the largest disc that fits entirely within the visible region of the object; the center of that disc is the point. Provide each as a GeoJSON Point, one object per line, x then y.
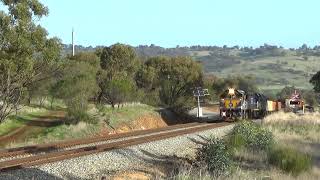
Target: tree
{"type": "Point", "coordinates": [304, 47]}
{"type": "Point", "coordinates": [315, 81]}
{"type": "Point", "coordinates": [174, 78]}
{"type": "Point", "coordinates": [76, 87]}
{"type": "Point", "coordinates": [146, 77]}
{"type": "Point", "coordinates": [26, 54]}
{"type": "Point", "coordinates": [39, 90]}
{"type": "Point", "coordinates": [117, 60]}
{"type": "Point", "coordinates": [310, 97]}
{"type": "Point", "coordinates": [118, 67]}
{"type": "Point", "coordinates": [119, 90]}
{"type": "Point", "coordinates": [87, 57]}
{"type": "Point", "coordinates": [286, 92]}
{"type": "Point", "coordinates": [246, 84]}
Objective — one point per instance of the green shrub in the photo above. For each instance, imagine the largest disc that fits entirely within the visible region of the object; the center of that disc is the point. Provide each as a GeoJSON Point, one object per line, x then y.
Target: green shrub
{"type": "Point", "coordinates": [215, 156]}
{"type": "Point", "coordinates": [289, 160]}
{"type": "Point", "coordinates": [76, 109]}
{"type": "Point", "coordinates": [236, 141]}
{"type": "Point", "coordinates": [250, 135]}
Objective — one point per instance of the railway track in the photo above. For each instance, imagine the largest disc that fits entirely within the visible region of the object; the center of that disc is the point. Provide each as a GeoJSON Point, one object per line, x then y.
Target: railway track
{"type": "Point", "coordinates": [41, 154]}
{"type": "Point", "coordinates": [30, 150]}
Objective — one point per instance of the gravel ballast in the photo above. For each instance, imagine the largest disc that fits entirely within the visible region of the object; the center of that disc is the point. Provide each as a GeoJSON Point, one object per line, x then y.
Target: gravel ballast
{"type": "Point", "coordinates": [106, 163]}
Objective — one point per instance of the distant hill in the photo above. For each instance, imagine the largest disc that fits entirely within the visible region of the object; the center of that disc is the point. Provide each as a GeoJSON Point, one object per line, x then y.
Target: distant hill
{"type": "Point", "coordinates": [274, 67]}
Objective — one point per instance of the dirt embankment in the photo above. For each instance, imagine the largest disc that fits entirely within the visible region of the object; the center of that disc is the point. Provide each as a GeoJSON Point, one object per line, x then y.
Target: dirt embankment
{"type": "Point", "coordinates": [147, 121]}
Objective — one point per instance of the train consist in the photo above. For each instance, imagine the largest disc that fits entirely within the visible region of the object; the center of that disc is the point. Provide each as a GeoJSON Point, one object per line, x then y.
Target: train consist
{"type": "Point", "coordinates": [236, 104]}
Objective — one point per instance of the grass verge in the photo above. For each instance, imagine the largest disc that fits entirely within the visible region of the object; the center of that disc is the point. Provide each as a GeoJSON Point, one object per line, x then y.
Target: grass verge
{"type": "Point", "coordinates": [289, 160]}
{"type": "Point", "coordinates": [281, 159]}
{"type": "Point", "coordinates": [123, 115]}
{"type": "Point", "coordinates": [14, 122]}
{"type": "Point", "coordinates": [61, 132]}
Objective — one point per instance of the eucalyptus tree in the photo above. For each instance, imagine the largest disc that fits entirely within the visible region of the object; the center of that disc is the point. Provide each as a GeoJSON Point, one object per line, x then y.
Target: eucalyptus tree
{"type": "Point", "coordinates": [76, 87]}
{"type": "Point", "coordinates": [118, 66]}
{"type": "Point", "coordinates": [173, 78]}
{"type": "Point", "coordinates": [26, 54]}
{"type": "Point", "coordinates": [315, 81]}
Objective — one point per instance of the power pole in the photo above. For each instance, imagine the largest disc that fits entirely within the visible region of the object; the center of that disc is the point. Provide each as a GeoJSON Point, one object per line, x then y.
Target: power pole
{"type": "Point", "coordinates": [72, 42]}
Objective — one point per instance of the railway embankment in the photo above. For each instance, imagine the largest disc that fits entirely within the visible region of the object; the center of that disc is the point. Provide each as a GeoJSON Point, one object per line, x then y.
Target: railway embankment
{"type": "Point", "coordinates": [143, 156]}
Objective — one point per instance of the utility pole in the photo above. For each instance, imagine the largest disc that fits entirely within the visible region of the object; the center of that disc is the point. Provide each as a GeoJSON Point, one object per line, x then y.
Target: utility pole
{"type": "Point", "coordinates": [199, 92]}
{"type": "Point", "coordinates": [72, 42]}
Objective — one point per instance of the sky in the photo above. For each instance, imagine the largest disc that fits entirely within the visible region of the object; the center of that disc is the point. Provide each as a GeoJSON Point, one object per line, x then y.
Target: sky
{"type": "Point", "coordinates": [169, 23]}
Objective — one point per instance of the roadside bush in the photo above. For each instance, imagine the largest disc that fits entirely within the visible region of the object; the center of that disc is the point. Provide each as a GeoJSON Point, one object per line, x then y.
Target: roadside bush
{"type": "Point", "coordinates": [289, 160]}
{"type": "Point", "coordinates": [215, 156]}
{"type": "Point", "coordinates": [151, 98]}
{"type": "Point", "coordinates": [76, 87]}
{"type": "Point", "coordinates": [236, 141]}
{"type": "Point", "coordinates": [250, 135]}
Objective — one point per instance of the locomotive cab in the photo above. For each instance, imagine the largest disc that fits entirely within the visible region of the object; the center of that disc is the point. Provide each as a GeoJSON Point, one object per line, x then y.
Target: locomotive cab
{"type": "Point", "coordinates": [230, 104]}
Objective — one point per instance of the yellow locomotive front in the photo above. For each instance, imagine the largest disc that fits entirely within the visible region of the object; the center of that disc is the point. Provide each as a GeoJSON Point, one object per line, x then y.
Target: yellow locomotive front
{"type": "Point", "coordinates": [230, 104]}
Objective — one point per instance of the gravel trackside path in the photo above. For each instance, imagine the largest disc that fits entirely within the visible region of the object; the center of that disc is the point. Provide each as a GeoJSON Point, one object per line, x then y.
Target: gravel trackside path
{"type": "Point", "coordinates": [106, 163]}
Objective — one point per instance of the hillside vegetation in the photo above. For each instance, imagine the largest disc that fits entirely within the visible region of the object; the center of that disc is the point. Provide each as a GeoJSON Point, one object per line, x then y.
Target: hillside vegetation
{"type": "Point", "coordinates": [272, 67]}
{"type": "Point", "coordinates": [270, 72]}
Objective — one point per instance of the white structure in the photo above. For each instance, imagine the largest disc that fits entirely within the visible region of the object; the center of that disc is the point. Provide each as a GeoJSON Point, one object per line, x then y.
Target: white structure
{"type": "Point", "coordinates": [199, 92]}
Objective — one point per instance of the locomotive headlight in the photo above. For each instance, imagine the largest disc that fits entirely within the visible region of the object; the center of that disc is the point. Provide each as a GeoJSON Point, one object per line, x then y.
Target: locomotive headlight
{"type": "Point", "coordinates": [231, 91]}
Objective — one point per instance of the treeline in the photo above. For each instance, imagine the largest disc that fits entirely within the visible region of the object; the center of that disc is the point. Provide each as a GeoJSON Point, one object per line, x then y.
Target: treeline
{"type": "Point", "coordinates": [114, 75]}
{"type": "Point", "coordinates": [215, 51]}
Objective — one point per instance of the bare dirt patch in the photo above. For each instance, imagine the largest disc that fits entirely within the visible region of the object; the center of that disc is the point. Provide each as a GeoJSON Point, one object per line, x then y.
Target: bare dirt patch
{"type": "Point", "coordinates": [148, 121]}
{"type": "Point", "coordinates": [132, 175]}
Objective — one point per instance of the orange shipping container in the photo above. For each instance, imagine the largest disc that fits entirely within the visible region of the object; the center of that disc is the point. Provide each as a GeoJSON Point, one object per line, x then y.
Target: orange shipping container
{"type": "Point", "coordinates": [274, 105]}
{"type": "Point", "coordinates": [279, 106]}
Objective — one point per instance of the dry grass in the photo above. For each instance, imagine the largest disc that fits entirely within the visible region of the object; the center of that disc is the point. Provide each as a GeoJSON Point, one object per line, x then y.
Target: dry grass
{"type": "Point", "coordinates": [239, 173]}
{"type": "Point", "coordinates": [305, 127]}
{"type": "Point", "coordinates": [271, 173]}
{"type": "Point", "coordinates": [291, 118]}
{"type": "Point", "coordinates": [290, 130]}
{"type": "Point", "coordinates": [242, 173]}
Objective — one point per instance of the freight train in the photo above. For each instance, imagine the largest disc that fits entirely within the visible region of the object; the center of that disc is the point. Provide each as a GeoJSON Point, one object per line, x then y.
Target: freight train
{"type": "Point", "coordinates": [235, 104]}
